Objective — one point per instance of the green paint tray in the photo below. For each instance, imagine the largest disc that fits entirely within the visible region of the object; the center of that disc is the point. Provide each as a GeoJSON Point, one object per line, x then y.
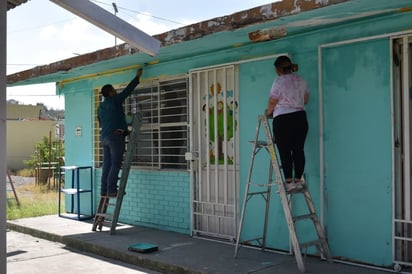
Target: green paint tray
{"type": "Point", "coordinates": [143, 247]}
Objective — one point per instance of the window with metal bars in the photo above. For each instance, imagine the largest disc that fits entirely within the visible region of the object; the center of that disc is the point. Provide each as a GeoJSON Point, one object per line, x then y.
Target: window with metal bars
{"type": "Point", "coordinates": [163, 136]}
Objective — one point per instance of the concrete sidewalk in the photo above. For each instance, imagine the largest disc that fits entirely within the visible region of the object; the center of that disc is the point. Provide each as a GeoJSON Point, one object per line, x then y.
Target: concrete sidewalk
{"type": "Point", "coordinates": [177, 253]}
{"type": "Point", "coordinates": [28, 254]}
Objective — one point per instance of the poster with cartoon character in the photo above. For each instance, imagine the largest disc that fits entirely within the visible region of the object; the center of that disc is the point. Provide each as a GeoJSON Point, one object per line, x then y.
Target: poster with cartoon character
{"type": "Point", "coordinates": [220, 109]}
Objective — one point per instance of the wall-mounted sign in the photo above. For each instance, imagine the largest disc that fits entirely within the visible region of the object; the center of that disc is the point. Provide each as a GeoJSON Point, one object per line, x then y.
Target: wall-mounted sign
{"type": "Point", "coordinates": [78, 131]}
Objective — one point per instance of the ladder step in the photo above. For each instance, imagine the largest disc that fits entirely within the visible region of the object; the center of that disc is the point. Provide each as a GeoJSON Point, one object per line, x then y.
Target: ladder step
{"type": "Point", "coordinates": [111, 201]}
{"type": "Point", "coordinates": [104, 215]}
{"type": "Point", "coordinates": [252, 240]}
{"type": "Point", "coordinates": [262, 185]}
{"type": "Point", "coordinates": [257, 192]}
{"type": "Point", "coordinates": [260, 143]}
{"type": "Point", "coordinates": [295, 191]}
{"type": "Point", "coordinates": [100, 223]}
{"type": "Point", "coordinates": [310, 243]}
{"type": "Point", "coordinates": [304, 217]}
{"type": "Point", "coordinates": [104, 222]}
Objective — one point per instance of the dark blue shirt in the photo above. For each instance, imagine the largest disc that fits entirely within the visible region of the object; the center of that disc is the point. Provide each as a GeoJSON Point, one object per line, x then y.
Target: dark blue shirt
{"type": "Point", "coordinates": [111, 113]}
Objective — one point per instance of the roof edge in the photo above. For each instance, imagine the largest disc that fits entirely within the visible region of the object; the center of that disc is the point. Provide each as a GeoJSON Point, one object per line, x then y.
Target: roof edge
{"type": "Point", "coordinates": [194, 31]}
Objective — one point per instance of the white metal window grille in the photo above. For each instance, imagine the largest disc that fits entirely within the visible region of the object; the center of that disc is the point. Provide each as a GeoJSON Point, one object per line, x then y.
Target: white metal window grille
{"type": "Point", "coordinates": [215, 138]}
{"type": "Point", "coordinates": [163, 136]}
{"type": "Point", "coordinates": [402, 84]}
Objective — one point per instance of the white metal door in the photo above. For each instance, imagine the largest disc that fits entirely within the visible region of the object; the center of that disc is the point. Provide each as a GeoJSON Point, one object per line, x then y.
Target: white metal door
{"type": "Point", "coordinates": [402, 97]}
{"type": "Point", "coordinates": [214, 122]}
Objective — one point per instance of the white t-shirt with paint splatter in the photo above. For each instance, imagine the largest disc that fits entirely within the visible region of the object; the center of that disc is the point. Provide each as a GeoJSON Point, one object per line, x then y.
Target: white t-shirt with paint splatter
{"type": "Point", "coordinates": [289, 90]}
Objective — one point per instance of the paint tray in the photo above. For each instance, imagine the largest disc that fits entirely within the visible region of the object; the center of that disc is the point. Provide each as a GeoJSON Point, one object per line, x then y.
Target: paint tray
{"type": "Point", "coordinates": [143, 247]}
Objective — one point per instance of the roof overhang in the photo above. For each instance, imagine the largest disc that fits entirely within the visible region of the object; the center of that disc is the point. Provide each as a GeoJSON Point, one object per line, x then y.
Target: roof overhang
{"type": "Point", "coordinates": [11, 4]}
{"type": "Point", "coordinates": [123, 56]}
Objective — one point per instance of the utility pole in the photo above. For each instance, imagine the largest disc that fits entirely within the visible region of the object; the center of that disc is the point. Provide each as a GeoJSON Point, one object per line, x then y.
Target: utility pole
{"type": "Point", "coordinates": [3, 135]}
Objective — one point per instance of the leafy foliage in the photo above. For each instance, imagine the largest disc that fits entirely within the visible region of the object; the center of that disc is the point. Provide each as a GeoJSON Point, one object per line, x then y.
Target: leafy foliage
{"type": "Point", "coordinates": [46, 151]}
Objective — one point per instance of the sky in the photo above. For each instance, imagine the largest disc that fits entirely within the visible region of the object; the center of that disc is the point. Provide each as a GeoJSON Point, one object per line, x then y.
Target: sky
{"type": "Point", "coordinates": [40, 32]}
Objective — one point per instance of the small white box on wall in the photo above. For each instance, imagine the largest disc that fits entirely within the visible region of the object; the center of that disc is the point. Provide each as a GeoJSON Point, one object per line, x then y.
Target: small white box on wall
{"type": "Point", "coordinates": [78, 131]}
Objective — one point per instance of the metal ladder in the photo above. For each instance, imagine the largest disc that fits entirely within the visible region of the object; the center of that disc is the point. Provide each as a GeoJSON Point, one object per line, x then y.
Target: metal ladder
{"type": "Point", "coordinates": [320, 243]}
{"type": "Point", "coordinates": [12, 189]}
{"type": "Point", "coordinates": [105, 201]}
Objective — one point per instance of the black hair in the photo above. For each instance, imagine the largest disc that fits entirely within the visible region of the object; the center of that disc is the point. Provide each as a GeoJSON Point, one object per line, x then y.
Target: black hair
{"type": "Point", "coordinates": [106, 90]}
{"type": "Point", "coordinates": [284, 64]}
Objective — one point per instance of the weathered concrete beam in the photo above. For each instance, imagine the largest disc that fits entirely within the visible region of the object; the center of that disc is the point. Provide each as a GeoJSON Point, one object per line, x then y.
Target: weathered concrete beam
{"type": "Point", "coordinates": [112, 24]}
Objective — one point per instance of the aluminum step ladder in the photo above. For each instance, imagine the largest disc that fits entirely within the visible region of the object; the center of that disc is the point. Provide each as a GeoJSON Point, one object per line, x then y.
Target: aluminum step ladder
{"type": "Point", "coordinates": [286, 197]}
{"type": "Point", "coordinates": [106, 202]}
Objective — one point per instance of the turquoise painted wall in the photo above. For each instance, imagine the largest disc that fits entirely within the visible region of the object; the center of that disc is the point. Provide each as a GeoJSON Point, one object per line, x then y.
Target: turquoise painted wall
{"type": "Point", "coordinates": [78, 151]}
{"type": "Point", "coordinates": [155, 199]}
{"type": "Point", "coordinates": [255, 82]}
{"type": "Point", "coordinates": [79, 115]}
{"type": "Point", "coordinates": [255, 79]}
{"type": "Point", "coordinates": [359, 202]}
{"type": "Point", "coordinates": [358, 166]}
{"type": "Point", "coordinates": [359, 199]}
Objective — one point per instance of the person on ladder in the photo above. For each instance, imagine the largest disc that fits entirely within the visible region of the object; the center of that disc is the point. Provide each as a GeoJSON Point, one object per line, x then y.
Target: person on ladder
{"type": "Point", "coordinates": [112, 121]}
{"type": "Point", "coordinates": [286, 104]}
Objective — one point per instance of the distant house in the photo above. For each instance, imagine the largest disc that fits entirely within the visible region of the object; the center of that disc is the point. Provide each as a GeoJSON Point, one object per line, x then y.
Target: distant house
{"type": "Point", "coordinates": [213, 78]}
{"type": "Point", "coordinates": [26, 126]}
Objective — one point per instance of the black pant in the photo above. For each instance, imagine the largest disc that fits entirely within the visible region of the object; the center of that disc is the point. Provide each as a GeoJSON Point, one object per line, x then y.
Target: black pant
{"type": "Point", "coordinates": [290, 132]}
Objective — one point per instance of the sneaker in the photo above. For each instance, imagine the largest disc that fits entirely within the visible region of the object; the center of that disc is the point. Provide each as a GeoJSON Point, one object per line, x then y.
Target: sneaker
{"type": "Point", "coordinates": [300, 184]}
{"type": "Point", "coordinates": [290, 187]}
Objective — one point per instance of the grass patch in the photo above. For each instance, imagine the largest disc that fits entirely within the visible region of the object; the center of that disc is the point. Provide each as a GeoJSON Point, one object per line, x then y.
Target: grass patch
{"type": "Point", "coordinates": [27, 172]}
{"type": "Point", "coordinates": [34, 201]}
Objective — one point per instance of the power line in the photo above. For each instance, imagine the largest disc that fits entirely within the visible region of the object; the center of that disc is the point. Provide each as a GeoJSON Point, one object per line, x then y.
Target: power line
{"type": "Point", "coordinates": [156, 17]}
{"type": "Point", "coordinates": [42, 26]}
{"type": "Point", "coordinates": [139, 12]}
{"type": "Point", "coordinates": [103, 3]}
{"type": "Point", "coordinates": [74, 18]}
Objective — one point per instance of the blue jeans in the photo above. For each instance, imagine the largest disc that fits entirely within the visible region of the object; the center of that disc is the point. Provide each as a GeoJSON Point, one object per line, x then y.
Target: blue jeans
{"type": "Point", "coordinates": [113, 149]}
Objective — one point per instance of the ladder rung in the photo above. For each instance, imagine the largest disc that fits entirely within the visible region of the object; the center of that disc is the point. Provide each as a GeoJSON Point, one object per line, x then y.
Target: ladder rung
{"type": "Point", "coordinates": [304, 217]}
{"type": "Point", "coordinates": [101, 223]}
{"type": "Point", "coordinates": [259, 143]}
{"type": "Point", "coordinates": [262, 185]}
{"type": "Point", "coordinates": [311, 243]}
{"type": "Point", "coordinates": [259, 192]}
{"type": "Point", "coordinates": [110, 204]}
{"type": "Point", "coordinates": [104, 215]}
{"type": "Point", "coordinates": [296, 191]}
{"type": "Point", "coordinates": [104, 222]}
{"type": "Point", "coordinates": [252, 240]}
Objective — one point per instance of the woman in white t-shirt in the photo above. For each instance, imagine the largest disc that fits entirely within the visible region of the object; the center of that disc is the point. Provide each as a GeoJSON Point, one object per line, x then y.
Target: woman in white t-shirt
{"type": "Point", "coordinates": [287, 99]}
